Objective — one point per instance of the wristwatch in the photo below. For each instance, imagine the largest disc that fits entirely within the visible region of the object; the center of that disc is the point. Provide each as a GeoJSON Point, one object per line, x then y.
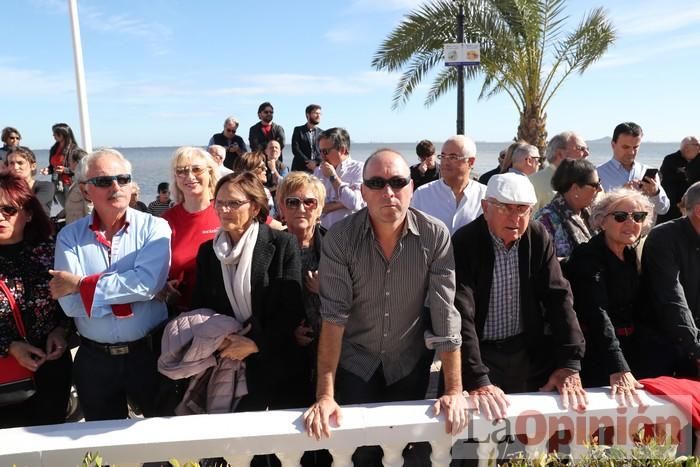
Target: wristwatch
{"type": "Point", "coordinates": [332, 178]}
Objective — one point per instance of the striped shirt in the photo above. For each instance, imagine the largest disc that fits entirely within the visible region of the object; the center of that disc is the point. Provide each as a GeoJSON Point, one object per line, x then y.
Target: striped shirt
{"type": "Point", "coordinates": [382, 302]}
{"type": "Point", "coordinates": [503, 319]}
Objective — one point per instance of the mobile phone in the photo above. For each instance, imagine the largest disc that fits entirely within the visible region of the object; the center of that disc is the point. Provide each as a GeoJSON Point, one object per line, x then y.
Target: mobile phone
{"type": "Point", "coordinates": [651, 173]}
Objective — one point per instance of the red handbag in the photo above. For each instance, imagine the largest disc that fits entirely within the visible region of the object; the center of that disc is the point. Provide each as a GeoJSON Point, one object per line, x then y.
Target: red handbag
{"type": "Point", "coordinates": [16, 381]}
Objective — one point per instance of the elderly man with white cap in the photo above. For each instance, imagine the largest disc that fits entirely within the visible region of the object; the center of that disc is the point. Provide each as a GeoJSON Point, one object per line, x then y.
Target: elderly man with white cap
{"type": "Point", "coordinates": [519, 328]}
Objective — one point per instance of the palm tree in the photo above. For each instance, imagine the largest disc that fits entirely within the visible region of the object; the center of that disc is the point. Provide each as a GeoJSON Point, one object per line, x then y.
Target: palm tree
{"type": "Point", "coordinates": [524, 52]}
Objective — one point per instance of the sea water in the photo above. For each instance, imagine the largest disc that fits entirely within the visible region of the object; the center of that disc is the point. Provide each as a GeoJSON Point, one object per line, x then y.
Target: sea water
{"type": "Point", "coordinates": [152, 165]}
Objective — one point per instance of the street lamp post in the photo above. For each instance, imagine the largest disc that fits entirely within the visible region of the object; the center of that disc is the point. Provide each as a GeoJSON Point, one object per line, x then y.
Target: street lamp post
{"type": "Point", "coordinates": [460, 73]}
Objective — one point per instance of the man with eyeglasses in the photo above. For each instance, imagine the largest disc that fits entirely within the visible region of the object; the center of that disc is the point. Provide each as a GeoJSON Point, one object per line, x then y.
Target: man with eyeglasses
{"type": "Point", "coordinates": [454, 198]}
{"type": "Point", "coordinates": [108, 268]}
{"type": "Point", "coordinates": [519, 327]}
{"type": "Point", "coordinates": [623, 170]}
{"type": "Point", "coordinates": [233, 144]}
{"type": "Point", "coordinates": [378, 271]}
{"type": "Point", "coordinates": [677, 173]}
{"type": "Point", "coordinates": [341, 177]}
{"type": "Point", "coordinates": [671, 273]}
{"type": "Point", "coordinates": [265, 130]}
{"type": "Point", "coordinates": [565, 145]}
{"type": "Point", "coordinates": [305, 141]}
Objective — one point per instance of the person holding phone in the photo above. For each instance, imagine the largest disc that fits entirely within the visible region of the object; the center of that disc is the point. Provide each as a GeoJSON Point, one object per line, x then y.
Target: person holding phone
{"type": "Point", "coordinates": [623, 170]}
{"type": "Point", "coordinates": [234, 144]}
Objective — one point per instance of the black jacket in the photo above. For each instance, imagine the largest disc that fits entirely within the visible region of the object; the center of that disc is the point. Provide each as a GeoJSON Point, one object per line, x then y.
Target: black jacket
{"type": "Point", "coordinates": [277, 310]}
{"type": "Point", "coordinates": [258, 140]}
{"type": "Point", "coordinates": [545, 299]}
{"type": "Point", "coordinates": [674, 181]}
{"type": "Point", "coordinates": [222, 140]}
{"type": "Point", "coordinates": [302, 149]}
{"type": "Point", "coordinates": [671, 272]}
{"type": "Point", "coordinates": [607, 295]}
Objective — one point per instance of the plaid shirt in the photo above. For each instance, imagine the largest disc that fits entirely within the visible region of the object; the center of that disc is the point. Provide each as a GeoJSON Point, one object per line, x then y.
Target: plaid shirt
{"type": "Point", "coordinates": [503, 319]}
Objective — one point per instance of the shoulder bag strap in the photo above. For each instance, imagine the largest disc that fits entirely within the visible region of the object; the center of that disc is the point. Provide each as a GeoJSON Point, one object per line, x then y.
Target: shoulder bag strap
{"type": "Point", "coordinates": [15, 309]}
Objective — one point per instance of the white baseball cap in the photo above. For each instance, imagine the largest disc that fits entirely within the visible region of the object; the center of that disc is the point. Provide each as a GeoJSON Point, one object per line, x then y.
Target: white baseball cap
{"type": "Point", "coordinates": [511, 188]}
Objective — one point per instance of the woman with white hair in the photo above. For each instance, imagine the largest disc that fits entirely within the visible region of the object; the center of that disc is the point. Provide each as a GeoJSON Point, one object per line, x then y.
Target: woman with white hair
{"type": "Point", "coordinates": [605, 278]}
{"type": "Point", "coordinates": [193, 220]}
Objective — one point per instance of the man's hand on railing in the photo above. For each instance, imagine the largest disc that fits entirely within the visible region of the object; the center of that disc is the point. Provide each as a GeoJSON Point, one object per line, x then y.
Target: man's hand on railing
{"type": "Point", "coordinates": [490, 401]}
{"type": "Point", "coordinates": [318, 418]}
{"type": "Point", "coordinates": [568, 383]}
{"type": "Point", "coordinates": [456, 408]}
{"type": "Point", "coordinates": [623, 387]}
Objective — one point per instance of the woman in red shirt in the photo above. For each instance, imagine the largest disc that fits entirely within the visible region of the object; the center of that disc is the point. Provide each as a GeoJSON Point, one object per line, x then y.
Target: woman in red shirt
{"type": "Point", "coordinates": [193, 220]}
{"type": "Point", "coordinates": [59, 155]}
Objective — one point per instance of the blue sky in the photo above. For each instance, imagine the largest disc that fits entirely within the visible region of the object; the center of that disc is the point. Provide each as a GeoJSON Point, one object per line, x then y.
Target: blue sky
{"type": "Point", "coordinates": [167, 72]}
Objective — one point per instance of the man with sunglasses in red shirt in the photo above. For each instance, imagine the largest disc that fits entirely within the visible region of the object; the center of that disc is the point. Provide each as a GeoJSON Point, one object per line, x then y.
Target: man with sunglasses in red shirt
{"type": "Point", "coordinates": [108, 268]}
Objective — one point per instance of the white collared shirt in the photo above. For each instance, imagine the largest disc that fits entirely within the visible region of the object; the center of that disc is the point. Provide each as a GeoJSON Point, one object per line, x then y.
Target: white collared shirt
{"type": "Point", "coordinates": [438, 200]}
{"type": "Point", "coordinates": [613, 175]}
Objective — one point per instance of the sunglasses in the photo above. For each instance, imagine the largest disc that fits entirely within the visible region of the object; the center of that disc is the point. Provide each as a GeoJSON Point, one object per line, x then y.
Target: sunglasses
{"type": "Point", "coordinates": [378, 183]}
{"type": "Point", "coordinates": [295, 203]}
{"type": "Point", "coordinates": [8, 210]}
{"type": "Point", "coordinates": [622, 216]}
{"type": "Point", "coordinates": [230, 205]}
{"type": "Point", "coordinates": [184, 171]}
{"type": "Point", "coordinates": [595, 185]}
{"type": "Point", "coordinates": [105, 181]}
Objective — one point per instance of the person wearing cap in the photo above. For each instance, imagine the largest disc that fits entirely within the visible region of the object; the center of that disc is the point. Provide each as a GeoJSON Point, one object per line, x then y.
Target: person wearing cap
{"type": "Point", "coordinates": [234, 144]}
{"type": "Point", "coordinates": [454, 198]}
{"type": "Point", "coordinates": [510, 289]}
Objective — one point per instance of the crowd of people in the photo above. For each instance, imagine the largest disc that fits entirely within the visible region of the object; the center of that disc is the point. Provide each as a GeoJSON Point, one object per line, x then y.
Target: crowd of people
{"type": "Point", "coordinates": [337, 282]}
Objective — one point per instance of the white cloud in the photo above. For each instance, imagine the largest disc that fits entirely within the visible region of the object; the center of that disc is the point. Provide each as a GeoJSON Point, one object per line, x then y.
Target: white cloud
{"type": "Point", "coordinates": [656, 17]}
{"type": "Point", "coordinates": [299, 85]}
{"type": "Point", "coordinates": [646, 52]}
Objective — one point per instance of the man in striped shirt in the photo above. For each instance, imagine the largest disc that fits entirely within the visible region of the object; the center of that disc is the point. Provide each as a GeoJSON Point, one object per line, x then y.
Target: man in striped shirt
{"type": "Point", "coordinates": [379, 269]}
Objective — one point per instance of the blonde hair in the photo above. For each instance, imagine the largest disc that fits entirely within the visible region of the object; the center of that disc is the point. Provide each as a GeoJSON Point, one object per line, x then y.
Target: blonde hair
{"type": "Point", "coordinates": [298, 180]}
{"type": "Point", "coordinates": [189, 154]}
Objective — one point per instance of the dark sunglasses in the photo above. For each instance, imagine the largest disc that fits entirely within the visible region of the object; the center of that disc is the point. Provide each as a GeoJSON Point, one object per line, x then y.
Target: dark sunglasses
{"type": "Point", "coordinates": [295, 203]}
{"type": "Point", "coordinates": [595, 185]}
{"type": "Point", "coordinates": [106, 181]}
{"type": "Point", "coordinates": [622, 216]}
{"type": "Point", "coordinates": [378, 183]}
{"type": "Point", "coordinates": [8, 210]}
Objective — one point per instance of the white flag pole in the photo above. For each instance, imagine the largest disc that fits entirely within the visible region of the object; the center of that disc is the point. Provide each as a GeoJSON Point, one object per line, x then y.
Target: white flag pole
{"type": "Point", "coordinates": [80, 76]}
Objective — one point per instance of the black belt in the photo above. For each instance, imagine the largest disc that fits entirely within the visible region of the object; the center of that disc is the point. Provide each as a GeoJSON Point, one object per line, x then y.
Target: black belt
{"type": "Point", "coordinates": [512, 343]}
{"type": "Point", "coordinates": [120, 348]}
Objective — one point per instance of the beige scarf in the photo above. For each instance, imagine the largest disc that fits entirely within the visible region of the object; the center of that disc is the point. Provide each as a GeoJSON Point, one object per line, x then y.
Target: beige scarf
{"type": "Point", "coordinates": [236, 264]}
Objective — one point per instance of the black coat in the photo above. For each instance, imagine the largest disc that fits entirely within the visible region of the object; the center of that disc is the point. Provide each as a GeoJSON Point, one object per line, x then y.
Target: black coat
{"type": "Point", "coordinates": [277, 309]}
{"type": "Point", "coordinates": [545, 299]}
{"type": "Point", "coordinates": [302, 149]}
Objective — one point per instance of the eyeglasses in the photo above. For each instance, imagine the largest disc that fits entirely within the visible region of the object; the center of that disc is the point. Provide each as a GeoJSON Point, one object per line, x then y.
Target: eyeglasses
{"type": "Point", "coordinates": [520, 210]}
{"type": "Point", "coordinates": [595, 185]}
{"type": "Point", "coordinates": [8, 210]}
{"type": "Point", "coordinates": [378, 183]}
{"type": "Point", "coordinates": [325, 151]}
{"type": "Point", "coordinates": [295, 203]}
{"type": "Point", "coordinates": [537, 159]}
{"type": "Point", "coordinates": [622, 216]}
{"type": "Point", "coordinates": [105, 181]}
{"type": "Point", "coordinates": [230, 205]}
{"type": "Point", "coordinates": [195, 169]}
{"type": "Point", "coordinates": [451, 157]}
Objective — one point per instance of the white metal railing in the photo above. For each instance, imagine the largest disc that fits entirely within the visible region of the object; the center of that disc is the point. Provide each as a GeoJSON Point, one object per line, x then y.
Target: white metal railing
{"type": "Point", "coordinates": [237, 437]}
